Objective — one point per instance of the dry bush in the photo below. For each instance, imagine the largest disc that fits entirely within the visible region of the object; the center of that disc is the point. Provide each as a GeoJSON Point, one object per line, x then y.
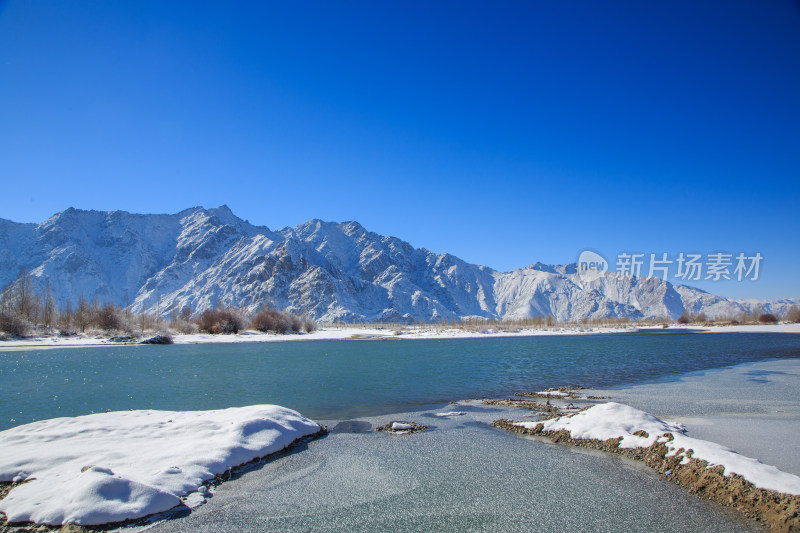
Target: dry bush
{"type": "Point", "coordinates": [768, 318]}
{"type": "Point", "coordinates": [684, 318]}
{"type": "Point", "coordinates": [216, 321]}
{"type": "Point", "coordinates": [184, 327]}
{"type": "Point", "coordinates": [295, 322]}
{"type": "Point", "coordinates": [793, 315]}
{"type": "Point", "coordinates": [281, 322]}
{"type": "Point", "coordinates": [14, 325]}
{"type": "Point", "coordinates": [108, 318]}
{"type": "Point", "coordinates": [271, 320]}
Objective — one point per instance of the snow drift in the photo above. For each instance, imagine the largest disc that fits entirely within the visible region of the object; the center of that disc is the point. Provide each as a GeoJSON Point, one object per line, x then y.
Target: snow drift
{"type": "Point", "coordinates": [115, 466]}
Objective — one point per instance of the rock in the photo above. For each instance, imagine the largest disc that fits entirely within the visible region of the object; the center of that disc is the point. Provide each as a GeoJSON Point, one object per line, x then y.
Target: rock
{"type": "Point", "coordinates": [158, 339]}
{"type": "Point", "coordinates": [401, 428]}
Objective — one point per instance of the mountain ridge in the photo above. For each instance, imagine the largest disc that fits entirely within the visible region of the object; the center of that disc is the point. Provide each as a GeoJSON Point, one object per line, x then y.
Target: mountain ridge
{"type": "Point", "coordinates": [328, 271]}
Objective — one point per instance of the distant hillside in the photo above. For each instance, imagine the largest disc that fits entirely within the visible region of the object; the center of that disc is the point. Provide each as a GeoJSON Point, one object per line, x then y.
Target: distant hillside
{"type": "Point", "coordinates": [329, 271]}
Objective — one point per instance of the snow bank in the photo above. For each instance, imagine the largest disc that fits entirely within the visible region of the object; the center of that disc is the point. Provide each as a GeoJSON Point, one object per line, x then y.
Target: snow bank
{"type": "Point", "coordinates": [110, 467]}
{"type": "Point", "coordinates": [411, 332]}
{"type": "Point", "coordinates": [611, 420]}
{"type": "Point", "coordinates": [325, 333]}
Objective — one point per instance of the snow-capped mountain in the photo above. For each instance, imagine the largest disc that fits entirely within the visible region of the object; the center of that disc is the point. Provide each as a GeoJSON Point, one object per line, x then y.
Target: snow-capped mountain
{"type": "Point", "coordinates": [329, 271]}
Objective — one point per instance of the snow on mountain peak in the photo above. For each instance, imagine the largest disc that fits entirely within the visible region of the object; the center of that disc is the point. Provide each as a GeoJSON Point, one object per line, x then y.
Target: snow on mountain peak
{"type": "Point", "coordinates": [330, 271]}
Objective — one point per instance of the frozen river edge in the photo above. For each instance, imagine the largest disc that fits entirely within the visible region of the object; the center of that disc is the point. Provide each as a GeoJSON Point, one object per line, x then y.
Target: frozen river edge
{"type": "Point", "coordinates": [366, 469]}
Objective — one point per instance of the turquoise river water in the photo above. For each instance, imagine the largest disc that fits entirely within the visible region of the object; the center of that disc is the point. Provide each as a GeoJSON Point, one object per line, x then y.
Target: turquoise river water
{"type": "Point", "coordinates": [340, 379]}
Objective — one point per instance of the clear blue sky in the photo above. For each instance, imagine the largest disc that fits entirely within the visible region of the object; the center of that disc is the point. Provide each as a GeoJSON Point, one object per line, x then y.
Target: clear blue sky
{"type": "Point", "coordinates": [502, 132]}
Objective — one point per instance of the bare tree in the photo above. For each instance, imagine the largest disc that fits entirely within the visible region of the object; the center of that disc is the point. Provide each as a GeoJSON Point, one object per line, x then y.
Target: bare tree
{"type": "Point", "coordinates": [142, 321]}
{"type": "Point", "coordinates": [65, 318]}
{"type": "Point", "coordinates": [25, 305]}
{"type": "Point", "coordinates": [48, 309]}
{"type": "Point", "coordinates": [82, 314]}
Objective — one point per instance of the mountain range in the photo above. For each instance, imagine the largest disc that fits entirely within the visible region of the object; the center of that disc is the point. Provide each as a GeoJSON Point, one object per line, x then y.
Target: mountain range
{"type": "Point", "coordinates": [328, 271]}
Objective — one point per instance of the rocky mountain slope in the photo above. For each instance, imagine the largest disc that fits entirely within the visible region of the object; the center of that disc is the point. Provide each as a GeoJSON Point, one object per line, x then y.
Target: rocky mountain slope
{"type": "Point", "coordinates": [329, 271]}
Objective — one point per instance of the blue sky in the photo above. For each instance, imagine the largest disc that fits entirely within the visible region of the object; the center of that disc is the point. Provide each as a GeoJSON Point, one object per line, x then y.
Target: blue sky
{"type": "Point", "coordinates": [502, 132]}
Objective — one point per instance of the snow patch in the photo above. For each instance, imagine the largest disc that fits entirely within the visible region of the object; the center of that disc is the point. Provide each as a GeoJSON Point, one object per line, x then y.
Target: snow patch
{"type": "Point", "coordinates": [110, 467]}
{"type": "Point", "coordinates": [612, 420]}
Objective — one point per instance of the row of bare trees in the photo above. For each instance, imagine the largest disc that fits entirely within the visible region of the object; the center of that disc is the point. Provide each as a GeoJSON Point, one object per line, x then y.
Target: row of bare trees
{"type": "Point", "coordinates": [23, 312]}
{"type": "Point", "coordinates": [754, 317]}
{"type": "Point", "coordinates": [548, 321]}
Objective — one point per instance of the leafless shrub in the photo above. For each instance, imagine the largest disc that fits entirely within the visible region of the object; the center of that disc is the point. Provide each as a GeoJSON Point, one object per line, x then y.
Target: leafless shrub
{"type": "Point", "coordinates": [684, 318]}
{"type": "Point", "coordinates": [183, 326]}
{"type": "Point", "coordinates": [14, 325]}
{"type": "Point", "coordinates": [108, 318]}
{"type": "Point", "coordinates": [767, 318]}
{"type": "Point", "coordinates": [272, 320]}
{"type": "Point", "coordinates": [216, 321]}
{"type": "Point", "coordinates": [793, 315]}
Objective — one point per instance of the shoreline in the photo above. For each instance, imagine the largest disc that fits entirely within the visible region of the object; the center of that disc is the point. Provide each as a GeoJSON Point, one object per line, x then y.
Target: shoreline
{"type": "Point", "coordinates": [388, 333]}
{"type": "Point", "coordinates": [751, 410]}
{"type": "Point", "coordinates": [673, 401]}
{"type": "Point", "coordinates": [775, 509]}
{"type": "Point", "coordinates": [752, 407]}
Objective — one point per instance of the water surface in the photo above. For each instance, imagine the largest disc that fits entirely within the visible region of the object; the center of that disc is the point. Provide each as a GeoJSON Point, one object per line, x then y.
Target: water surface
{"type": "Point", "coordinates": [338, 379]}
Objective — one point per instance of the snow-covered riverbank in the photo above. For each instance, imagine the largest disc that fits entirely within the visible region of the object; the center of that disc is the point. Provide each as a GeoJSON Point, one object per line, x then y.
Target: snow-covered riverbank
{"type": "Point", "coordinates": [110, 467]}
{"type": "Point", "coordinates": [86, 467]}
{"type": "Point", "coordinates": [753, 409]}
{"type": "Point", "coordinates": [738, 422]}
{"type": "Point", "coordinates": [389, 333]}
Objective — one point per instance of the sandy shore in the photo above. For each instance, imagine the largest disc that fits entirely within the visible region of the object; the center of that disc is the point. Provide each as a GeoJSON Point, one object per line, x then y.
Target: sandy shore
{"type": "Point", "coordinates": [377, 333]}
